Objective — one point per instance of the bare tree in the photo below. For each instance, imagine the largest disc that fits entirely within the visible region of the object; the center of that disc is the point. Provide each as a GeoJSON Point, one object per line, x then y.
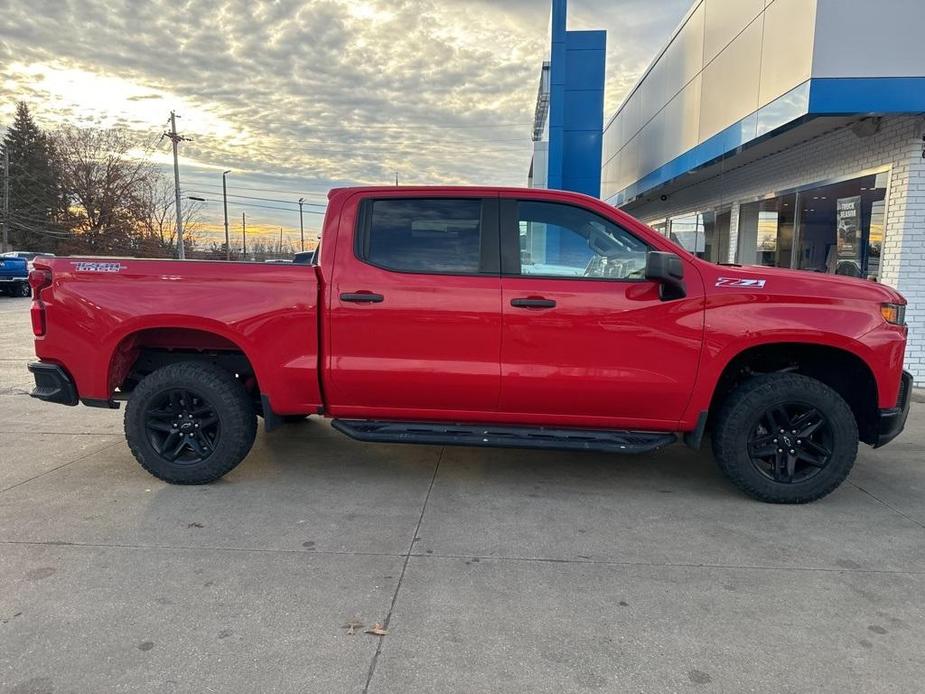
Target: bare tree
{"type": "Point", "coordinates": [157, 220]}
{"type": "Point", "coordinates": [105, 186]}
{"type": "Point", "coordinates": [119, 203]}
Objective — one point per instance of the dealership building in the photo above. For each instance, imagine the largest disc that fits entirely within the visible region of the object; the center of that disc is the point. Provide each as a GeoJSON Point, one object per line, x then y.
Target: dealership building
{"type": "Point", "coordinates": [787, 133]}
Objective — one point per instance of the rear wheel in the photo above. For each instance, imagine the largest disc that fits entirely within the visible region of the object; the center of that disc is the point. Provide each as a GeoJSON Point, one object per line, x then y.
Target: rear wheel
{"type": "Point", "coordinates": [24, 290]}
{"type": "Point", "coordinates": [785, 438]}
{"type": "Point", "coordinates": [190, 423]}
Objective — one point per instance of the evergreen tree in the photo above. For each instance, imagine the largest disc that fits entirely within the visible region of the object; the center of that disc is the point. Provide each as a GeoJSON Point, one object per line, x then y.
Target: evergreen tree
{"type": "Point", "coordinates": [36, 201]}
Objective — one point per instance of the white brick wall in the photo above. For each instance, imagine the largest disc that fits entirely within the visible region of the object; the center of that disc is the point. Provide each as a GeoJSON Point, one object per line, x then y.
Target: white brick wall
{"type": "Point", "coordinates": [898, 144]}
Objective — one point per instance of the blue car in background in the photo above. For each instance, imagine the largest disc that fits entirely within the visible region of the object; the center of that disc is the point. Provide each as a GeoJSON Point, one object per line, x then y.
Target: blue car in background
{"type": "Point", "coordinates": [14, 276]}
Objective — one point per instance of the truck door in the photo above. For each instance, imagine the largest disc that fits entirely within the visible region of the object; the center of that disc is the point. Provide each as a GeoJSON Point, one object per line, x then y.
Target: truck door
{"type": "Point", "coordinates": [415, 308]}
{"type": "Point", "coordinates": [586, 338]}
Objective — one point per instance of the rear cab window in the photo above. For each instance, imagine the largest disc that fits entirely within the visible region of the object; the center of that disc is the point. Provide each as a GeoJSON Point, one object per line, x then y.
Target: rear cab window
{"type": "Point", "coordinates": [447, 236]}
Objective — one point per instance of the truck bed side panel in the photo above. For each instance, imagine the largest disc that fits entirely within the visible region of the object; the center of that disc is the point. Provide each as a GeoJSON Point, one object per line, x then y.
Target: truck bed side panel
{"type": "Point", "coordinates": [270, 312]}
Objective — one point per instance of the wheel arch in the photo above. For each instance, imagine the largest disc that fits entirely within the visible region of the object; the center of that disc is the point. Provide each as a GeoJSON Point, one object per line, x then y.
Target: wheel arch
{"type": "Point", "coordinates": [137, 351]}
{"type": "Point", "coordinates": [841, 369]}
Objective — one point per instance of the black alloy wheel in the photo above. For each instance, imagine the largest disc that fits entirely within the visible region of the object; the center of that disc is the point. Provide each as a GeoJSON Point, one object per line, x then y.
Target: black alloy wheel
{"type": "Point", "coordinates": [790, 443]}
{"type": "Point", "coordinates": [182, 426]}
{"type": "Point", "coordinates": [785, 438]}
{"type": "Point", "coordinates": [190, 422]}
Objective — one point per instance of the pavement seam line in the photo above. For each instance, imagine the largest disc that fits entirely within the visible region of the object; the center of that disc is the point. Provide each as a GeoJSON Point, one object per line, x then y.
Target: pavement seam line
{"type": "Point", "coordinates": [63, 465]}
{"type": "Point", "coordinates": [388, 617]}
{"type": "Point", "coordinates": [892, 508]}
{"type": "Point", "coordinates": [57, 433]}
{"type": "Point", "coordinates": [487, 557]}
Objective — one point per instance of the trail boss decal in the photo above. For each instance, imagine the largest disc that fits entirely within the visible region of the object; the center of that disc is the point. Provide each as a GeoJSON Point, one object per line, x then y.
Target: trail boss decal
{"type": "Point", "coordinates": [740, 282]}
{"type": "Point", "coordinates": [99, 267]}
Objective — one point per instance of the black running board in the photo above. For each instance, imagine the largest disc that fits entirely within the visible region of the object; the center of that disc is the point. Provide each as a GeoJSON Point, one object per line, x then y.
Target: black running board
{"type": "Point", "coordinates": [500, 436]}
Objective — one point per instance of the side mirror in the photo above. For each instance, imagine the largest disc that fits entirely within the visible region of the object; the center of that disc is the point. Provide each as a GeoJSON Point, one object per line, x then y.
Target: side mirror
{"type": "Point", "coordinates": [668, 270]}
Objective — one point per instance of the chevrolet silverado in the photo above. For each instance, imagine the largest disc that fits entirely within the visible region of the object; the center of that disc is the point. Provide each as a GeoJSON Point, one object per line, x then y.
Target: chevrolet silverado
{"type": "Point", "coordinates": [482, 317]}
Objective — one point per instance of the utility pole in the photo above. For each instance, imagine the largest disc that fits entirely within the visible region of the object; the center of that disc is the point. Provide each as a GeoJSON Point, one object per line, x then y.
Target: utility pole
{"type": "Point", "coordinates": [244, 232]}
{"type": "Point", "coordinates": [176, 140]}
{"type": "Point", "coordinates": [301, 224]}
{"type": "Point", "coordinates": [280, 241]}
{"type": "Point", "coordinates": [396, 178]}
{"type": "Point", "coordinates": [5, 241]}
{"type": "Point", "coordinates": [225, 202]}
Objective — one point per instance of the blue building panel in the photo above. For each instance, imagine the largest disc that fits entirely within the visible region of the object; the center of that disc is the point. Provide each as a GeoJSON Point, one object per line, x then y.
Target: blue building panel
{"type": "Point", "coordinates": [585, 66]}
{"type": "Point", "coordinates": [576, 105]}
{"type": "Point", "coordinates": [875, 95]}
{"type": "Point", "coordinates": [580, 111]}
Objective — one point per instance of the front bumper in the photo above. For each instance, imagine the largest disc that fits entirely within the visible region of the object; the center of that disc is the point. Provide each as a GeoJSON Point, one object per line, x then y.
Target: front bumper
{"type": "Point", "coordinates": [52, 384]}
{"type": "Point", "coordinates": [893, 420]}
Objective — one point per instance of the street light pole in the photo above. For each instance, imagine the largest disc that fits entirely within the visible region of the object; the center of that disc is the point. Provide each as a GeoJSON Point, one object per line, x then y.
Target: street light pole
{"type": "Point", "coordinates": [301, 224]}
{"type": "Point", "coordinates": [225, 201]}
{"type": "Point", "coordinates": [244, 232]}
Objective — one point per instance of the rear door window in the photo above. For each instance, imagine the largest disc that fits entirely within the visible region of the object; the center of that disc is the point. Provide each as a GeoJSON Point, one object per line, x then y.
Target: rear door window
{"type": "Point", "coordinates": [435, 236]}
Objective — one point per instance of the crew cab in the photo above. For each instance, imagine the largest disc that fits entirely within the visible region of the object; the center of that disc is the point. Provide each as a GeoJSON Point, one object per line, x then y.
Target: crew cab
{"type": "Point", "coordinates": [482, 317]}
{"type": "Point", "coordinates": [14, 276]}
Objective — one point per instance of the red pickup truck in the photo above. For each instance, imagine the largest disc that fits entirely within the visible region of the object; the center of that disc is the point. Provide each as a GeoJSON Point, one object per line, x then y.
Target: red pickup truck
{"type": "Point", "coordinates": [482, 317]}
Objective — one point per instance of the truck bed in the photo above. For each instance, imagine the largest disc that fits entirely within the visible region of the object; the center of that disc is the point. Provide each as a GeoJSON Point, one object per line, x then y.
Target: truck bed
{"type": "Point", "coordinates": [102, 312]}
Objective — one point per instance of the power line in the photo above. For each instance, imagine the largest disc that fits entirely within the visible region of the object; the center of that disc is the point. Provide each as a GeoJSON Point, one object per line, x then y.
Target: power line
{"type": "Point", "coordinates": [251, 197]}
{"type": "Point", "coordinates": [270, 207]}
{"type": "Point", "coordinates": [47, 232]}
{"type": "Point", "coordinates": [419, 126]}
{"type": "Point", "coordinates": [423, 141]}
{"type": "Point", "coordinates": [262, 190]}
{"type": "Point", "coordinates": [35, 220]}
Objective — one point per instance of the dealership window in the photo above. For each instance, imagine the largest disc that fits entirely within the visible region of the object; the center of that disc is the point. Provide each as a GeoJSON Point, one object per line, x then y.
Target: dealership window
{"type": "Point", "coordinates": [833, 228]}
{"type": "Point", "coordinates": [841, 227]}
{"type": "Point", "coordinates": [425, 235]}
{"type": "Point", "coordinates": [766, 231]}
{"type": "Point", "coordinates": [704, 234]}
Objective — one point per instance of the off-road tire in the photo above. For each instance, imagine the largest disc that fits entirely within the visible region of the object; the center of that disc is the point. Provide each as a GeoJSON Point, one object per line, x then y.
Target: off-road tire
{"type": "Point", "coordinates": [745, 405]}
{"type": "Point", "coordinates": [228, 400]}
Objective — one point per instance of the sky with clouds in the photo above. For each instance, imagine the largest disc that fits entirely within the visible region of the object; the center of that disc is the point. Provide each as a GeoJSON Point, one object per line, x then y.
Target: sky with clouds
{"type": "Point", "coordinates": [297, 96]}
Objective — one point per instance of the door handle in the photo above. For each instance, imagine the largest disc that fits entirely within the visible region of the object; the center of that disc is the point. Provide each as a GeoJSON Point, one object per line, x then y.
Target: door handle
{"type": "Point", "coordinates": [362, 297]}
{"type": "Point", "coordinates": [533, 303]}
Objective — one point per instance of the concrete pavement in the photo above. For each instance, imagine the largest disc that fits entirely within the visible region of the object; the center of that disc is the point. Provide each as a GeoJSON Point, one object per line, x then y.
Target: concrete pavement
{"type": "Point", "coordinates": [495, 570]}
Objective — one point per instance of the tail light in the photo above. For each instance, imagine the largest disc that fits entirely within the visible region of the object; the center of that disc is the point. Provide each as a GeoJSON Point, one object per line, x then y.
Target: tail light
{"type": "Point", "coordinates": [38, 280]}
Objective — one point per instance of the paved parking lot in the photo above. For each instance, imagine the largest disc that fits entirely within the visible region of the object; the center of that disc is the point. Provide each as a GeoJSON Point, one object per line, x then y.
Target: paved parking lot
{"type": "Point", "coordinates": [493, 570]}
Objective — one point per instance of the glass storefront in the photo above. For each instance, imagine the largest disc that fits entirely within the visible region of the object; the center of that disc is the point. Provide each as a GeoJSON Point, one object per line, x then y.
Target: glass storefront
{"type": "Point", "coordinates": [828, 227]}
{"type": "Point", "coordinates": [705, 234]}
{"type": "Point", "coordinates": [834, 228]}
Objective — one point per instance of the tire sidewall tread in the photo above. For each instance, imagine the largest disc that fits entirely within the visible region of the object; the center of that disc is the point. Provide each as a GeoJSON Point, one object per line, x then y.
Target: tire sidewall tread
{"type": "Point", "coordinates": [231, 404]}
{"type": "Point", "coordinates": [759, 392]}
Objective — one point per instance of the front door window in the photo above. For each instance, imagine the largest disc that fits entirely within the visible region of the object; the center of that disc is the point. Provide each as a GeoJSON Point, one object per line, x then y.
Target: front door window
{"type": "Point", "coordinates": [565, 241]}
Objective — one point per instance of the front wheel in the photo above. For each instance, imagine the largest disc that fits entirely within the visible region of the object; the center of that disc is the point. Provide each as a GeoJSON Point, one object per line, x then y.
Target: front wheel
{"type": "Point", "coordinates": [785, 438]}
{"type": "Point", "coordinates": [190, 423]}
{"type": "Point", "coordinates": [24, 290]}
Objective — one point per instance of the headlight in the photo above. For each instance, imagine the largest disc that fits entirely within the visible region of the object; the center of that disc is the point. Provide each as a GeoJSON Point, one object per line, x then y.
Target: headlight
{"type": "Point", "coordinates": [893, 313]}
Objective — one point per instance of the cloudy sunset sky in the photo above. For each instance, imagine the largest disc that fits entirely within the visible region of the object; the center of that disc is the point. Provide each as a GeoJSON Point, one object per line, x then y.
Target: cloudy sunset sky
{"type": "Point", "coordinates": [297, 96]}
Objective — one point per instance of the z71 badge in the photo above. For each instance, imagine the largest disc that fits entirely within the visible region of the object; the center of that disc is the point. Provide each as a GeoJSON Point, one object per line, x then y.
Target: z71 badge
{"type": "Point", "coordinates": [98, 267]}
{"type": "Point", "coordinates": [740, 282]}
